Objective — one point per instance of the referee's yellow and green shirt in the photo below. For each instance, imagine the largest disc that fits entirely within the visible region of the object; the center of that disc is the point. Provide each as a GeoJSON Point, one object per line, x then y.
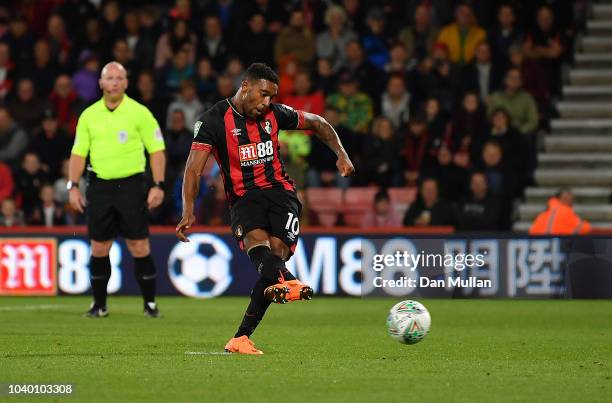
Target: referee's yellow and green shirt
{"type": "Point", "coordinates": [115, 140]}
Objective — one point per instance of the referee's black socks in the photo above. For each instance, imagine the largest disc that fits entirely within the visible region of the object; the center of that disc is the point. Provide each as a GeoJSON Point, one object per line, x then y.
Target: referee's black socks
{"type": "Point", "coordinates": [269, 265]}
{"type": "Point", "coordinates": [144, 269]}
{"type": "Point", "coordinates": [99, 276]}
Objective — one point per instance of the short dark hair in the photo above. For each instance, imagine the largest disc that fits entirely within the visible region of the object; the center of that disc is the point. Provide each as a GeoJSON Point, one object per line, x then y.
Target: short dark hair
{"type": "Point", "coordinates": [261, 71]}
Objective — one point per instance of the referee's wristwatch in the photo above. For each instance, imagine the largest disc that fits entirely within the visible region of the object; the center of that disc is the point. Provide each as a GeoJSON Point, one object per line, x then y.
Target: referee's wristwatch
{"type": "Point", "coordinates": [71, 185]}
{"type": "Point", "coordinates": [159, 185]}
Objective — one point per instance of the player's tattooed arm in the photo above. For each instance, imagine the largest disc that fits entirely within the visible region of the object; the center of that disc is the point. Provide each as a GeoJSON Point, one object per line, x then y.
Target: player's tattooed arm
{"type": "Point", "coordinates": [191, 186]}
{"type": "Point", "coordinates": [326, 133]}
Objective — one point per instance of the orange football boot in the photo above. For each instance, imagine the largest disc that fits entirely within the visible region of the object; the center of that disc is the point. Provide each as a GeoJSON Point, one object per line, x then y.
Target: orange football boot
{"type": "Point", "coordinates": [241, 345]}
{"type": "Point", "coordinates": [292, 290]}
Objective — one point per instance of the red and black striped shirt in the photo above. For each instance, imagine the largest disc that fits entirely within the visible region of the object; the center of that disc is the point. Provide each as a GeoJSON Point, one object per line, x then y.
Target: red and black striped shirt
{"type": "Point", "coordinates": [246, 150]}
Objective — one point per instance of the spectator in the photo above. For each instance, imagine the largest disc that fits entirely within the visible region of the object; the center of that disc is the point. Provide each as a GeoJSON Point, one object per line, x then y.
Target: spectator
{"type": "Point", "coordinates": [178, 140]}
{"type": "Point", "coordinates": [451, 178]}
{"type": "Point", "coordinates": [304, 98]}
{"type": "Point", "coordinates": [148, 94]}
{"type": "Point", "coordinates": [322, 163]}
{"type": "Point", "coordinates": [331, 44]}
{"type": "Point", "coordinates": [437, 77]}
{"type": "Point", "coordinates": [419, 149]}
{"type": "Point", "coordinates": [47, 211]}
{"type": "Point", "coordinates": [26, 108]}
{"type": "Point", "coordinates": [380, 160]}
{"type": "Point", "coordinates": [29, 179]}
{"type": "Point", "coordinates": [176, 38]}
{"type": "Point", "coordinates": [293, 157]}
{"type": "Point", "coordinates": [236, 70]}
{"type": "Point", "coordinates": [59, 42]}
{"type": "Point", "coordinates": [85, 80]}
{"type": "Point", "coordinates": [398, 60]}
{"type": "Point", "coordinates": [21, 41]}
{"type": "Point", "coordinates": [462, 36]}
{"type": "Point", "coordinates": [13, 139]}
{"type": "Point", "coordinates": [534, 79]}
{"type": "Point", "coordinates": [6, 70]}
{"type": "Point", "coordinates": [296, 39]}
{"type": "Point", "coordinates": [355, 107]}
{"type": "Point", "coordinates": [140, 44]}
{"type": "Point", "coordinates": [51, 143]}
{"type": "Point", "coordinates": [206, 79]}
{"type": "Point", "coordinates": [545, 44]}
{"type": "Point", "coordinates": [260, 38]}
{"type": "Point", "coordinates": [213, 45]}
{"type": "Point", "coordinates": [437, 121]}
{"type": "Point", "coordinates": [481, 75]}
{"type": "Point", "coordinates": [179, 70]}
{"type": "Point", "coordinates": [111, 20]}
{"type": "Point", "coordinates": [214, 209]}
{"type": "Point", "coordinates": [560, 217]}
{"type": "Point", "coordinates": [10, 215]}
{"type": "Point", "coordinates": [469, 125]}
{"type": "Point", "coordinates": [375, 40]}
{"type": "Point", "coordinates": [519, 103]}
{"type": "Point", "coordinates": [66, 103]}
{"type": "Point", "coordinates": [42, 71]}
{"type": "Point", "coordinates": [420, 37]}
{"type": "Point", "coordinates": [95, 40]}
{"type": "Point", "coordinates": [60, 191]}
{"type": "Point", "coordinates": [6, 181]}
{"type": "Point", "coordinates": [429, 209]}
{"type": "Point", "coordinates": [187, 101]}
{"type": "Point", "coordinates": [498, 169]}
{"type": "Point", "coordinates": [383, 214]}
{"type": "Point", "coordinates": [504, 35]}
{"type": "Point", "coordinates": [225, 89]}
{"type": "Point", "coordinates": [395, 101]}
{"type": "Point", "coordinates": [360, 68]}
{"type": "Point", "coordinates": [325, 79]}
{"type": "Point", "coordinates": [479, 211]}
{"type": "Point", "coordinates": [122, 54]}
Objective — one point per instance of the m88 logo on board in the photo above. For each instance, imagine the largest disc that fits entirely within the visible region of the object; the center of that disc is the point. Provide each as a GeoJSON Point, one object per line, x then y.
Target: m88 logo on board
{"type": "Point", "coordinates": [28, 266]}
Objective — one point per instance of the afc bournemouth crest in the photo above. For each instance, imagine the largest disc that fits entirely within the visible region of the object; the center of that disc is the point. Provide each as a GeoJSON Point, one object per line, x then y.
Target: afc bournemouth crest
{"type": "Point", "coordinates": [268, 126]}
{"type": "Point", "coordinates": [238, 231]}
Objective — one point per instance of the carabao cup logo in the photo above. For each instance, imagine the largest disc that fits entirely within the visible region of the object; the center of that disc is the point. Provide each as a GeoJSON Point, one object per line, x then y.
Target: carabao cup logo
{"type": "Point", "coordinates": [200, 268]}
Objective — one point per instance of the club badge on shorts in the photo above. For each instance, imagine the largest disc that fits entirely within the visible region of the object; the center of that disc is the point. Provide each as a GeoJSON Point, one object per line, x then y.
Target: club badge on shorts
{"type": "Point", "coordinates": [122, 136]}
{"type": "Point", "coordinates": [238, 232]}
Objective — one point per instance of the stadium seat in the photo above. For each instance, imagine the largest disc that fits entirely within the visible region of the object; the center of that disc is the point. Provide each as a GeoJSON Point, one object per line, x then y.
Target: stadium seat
{"type": "Point", "coordinates": [402, 198]}
{"type": "Point", "coordinates": [325, 203]}
{"type": "Point", "coordinates": [357, 203]}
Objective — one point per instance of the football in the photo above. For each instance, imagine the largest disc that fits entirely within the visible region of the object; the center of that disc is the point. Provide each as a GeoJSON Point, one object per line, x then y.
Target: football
{"type": "Point", "coordinates": [408, 322]}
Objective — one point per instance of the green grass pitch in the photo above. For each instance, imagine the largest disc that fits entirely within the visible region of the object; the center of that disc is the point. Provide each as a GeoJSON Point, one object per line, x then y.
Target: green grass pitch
{"type": "Point", "coordinates": [328, 349]}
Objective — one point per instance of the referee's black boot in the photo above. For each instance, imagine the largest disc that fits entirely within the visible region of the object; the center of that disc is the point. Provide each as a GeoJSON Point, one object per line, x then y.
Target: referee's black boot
{"type": "Point", "coordinates": [150, 310]}
{"type": "Point", "coordinates": [96, 312]}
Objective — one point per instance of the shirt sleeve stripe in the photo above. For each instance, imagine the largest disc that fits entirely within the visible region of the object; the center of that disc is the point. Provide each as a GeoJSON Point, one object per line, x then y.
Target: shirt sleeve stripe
{"type": "Point", "coordinates": [300, 124]}
{"type": "Point", "coordinates": [201, 146]}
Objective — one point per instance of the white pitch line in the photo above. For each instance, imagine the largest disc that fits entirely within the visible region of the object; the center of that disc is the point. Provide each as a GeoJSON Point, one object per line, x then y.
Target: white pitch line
{"type": "Point", "coordinates": [28, 307]}
{"type": "Point", "coordinates": [207, 353]}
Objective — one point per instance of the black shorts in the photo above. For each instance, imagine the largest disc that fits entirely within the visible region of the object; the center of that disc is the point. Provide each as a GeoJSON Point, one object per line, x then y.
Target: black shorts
{"type": "Point", "coordinates": [117, 207]}
{"type": "Point", "coordinates": [273, 209]}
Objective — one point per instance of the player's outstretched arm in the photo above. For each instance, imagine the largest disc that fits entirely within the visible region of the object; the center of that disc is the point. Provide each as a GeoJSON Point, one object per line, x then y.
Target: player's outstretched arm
{"type": "Point", "coordinates": [328, 135]}
{"type": "Point", "coordinates": [191, 183]}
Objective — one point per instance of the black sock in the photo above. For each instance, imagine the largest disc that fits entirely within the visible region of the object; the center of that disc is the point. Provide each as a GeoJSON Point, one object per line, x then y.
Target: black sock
{"type": "Point", "coordinates": [269, 265]}
{"type": "Point", "coordinates": [100, 271]}
{"type": "Point", "coordinates": [256, 309]}
{"type": "Point", "coordinates": [144, 269]}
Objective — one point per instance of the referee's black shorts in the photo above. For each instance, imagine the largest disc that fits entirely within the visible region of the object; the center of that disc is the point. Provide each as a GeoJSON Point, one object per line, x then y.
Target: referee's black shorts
{"type": "Point", "coordinates": [117, 207]}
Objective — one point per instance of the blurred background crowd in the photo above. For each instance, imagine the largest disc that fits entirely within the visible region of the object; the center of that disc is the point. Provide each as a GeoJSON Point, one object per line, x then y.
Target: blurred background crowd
{"type": "Point", "coordinates": [438, 102]}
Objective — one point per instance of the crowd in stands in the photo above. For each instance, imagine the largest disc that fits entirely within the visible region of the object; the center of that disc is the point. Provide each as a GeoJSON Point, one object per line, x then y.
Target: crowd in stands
{"type": "Point", "coordinates": [443, 96]}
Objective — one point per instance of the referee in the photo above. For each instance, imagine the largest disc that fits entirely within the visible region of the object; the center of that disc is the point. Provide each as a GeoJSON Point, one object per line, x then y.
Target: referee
{"type": "Point", "coordinates": [114, 132]}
